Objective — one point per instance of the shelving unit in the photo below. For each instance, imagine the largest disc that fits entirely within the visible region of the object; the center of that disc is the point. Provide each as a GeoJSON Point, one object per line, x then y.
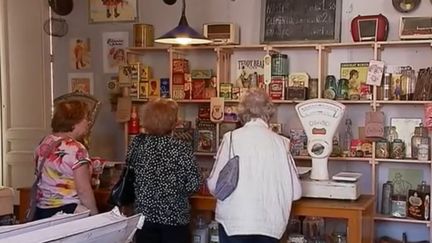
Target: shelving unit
{"type": "Point", "coordinates": [321, 60]}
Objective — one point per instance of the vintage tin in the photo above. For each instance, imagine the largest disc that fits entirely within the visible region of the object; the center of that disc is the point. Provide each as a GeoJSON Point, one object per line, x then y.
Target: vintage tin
{"type": "Point", "coordinates": [382, 149]}
{"type": "Point", "coordinates": [143, 35]}
{"type": "Point", "coordinates": [397, 149]}
{"type": "Point", "coordinates": [279, 66]}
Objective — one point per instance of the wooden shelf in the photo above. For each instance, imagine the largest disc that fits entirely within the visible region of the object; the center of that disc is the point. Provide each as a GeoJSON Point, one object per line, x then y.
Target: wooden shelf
{"type": "Point", "coordinates": [336, 158]}
{"type": "Point", "coordinates": [382, 217]}
{"type": "Point", "coordinates": [404, 102]}
{"type": "Point", "coordinates": [409, 161]}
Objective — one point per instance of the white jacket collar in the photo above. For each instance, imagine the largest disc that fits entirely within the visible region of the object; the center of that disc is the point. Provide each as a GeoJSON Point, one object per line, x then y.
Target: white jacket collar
{"type": "Point", "coordinates": [257, 122]}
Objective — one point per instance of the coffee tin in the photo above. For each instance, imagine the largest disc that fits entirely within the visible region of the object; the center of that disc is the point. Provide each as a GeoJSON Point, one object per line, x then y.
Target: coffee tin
{"type": "Point", "coordinates": [143, 35]}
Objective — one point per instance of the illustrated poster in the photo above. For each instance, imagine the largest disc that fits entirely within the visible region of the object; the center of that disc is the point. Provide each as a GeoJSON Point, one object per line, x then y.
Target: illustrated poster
{"type": "Point", "coordinates": [114, 46]}
{"type": "Point", "coordinates": [79, 49]}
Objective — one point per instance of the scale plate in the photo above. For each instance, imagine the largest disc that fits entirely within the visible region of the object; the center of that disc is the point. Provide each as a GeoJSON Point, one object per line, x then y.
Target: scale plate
{"type": "Point", "coordinates": [303, 170]}
{"type": "Point", "coordinates": [347, 176]}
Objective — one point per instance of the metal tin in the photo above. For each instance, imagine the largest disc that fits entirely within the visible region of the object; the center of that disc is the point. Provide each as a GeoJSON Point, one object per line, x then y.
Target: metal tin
{"type": "Point", "coordinates": [397, 149]}
{"type": "Point", "coordinates": [279, 66]}
{"type": "Point", "coordinates": [386, 200]}
{"type": "Point", "coordinates": [143, 35]}
{"type": "Point", "coordinates": [382, 149]}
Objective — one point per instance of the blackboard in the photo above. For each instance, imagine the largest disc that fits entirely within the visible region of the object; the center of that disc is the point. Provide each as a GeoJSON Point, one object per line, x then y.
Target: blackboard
{"type": "Point", "coordinates": [300, 21]}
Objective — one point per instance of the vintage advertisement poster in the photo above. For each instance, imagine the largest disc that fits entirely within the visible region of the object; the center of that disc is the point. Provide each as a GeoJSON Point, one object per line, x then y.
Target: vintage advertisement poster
{"type": "Point", "coordinates": [81, 82]}
{"type": "Point", "coordinates": [250, 73]}
{"type": "Point", "coordinates": [79, 52]}
{"type": "Point", "coordinates": [356, 74]}
{"type": "Point", "coordinates": [114, 46]}
{"type": "Point", "coordinates": [112, 11]}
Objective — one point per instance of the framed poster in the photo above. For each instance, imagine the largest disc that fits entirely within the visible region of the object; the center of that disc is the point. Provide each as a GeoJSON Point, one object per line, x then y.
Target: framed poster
{"type": "Point", "coordinates": [79, 52]}
{"type": "Point", "coordinates": [112, 11]}
{"type": "Point", "coordinates": [80, 82]}
{"type": "Point", "coordinates": [114, 45]}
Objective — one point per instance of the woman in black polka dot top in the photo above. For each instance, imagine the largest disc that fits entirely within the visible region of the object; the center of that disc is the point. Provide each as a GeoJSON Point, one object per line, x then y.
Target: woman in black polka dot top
{"type": "Point", "coordinates": [166, 175]}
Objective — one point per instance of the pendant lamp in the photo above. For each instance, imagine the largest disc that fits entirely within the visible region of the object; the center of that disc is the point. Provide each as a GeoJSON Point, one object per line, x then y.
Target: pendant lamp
{"type": "Point", "coordinates": [183, 34]}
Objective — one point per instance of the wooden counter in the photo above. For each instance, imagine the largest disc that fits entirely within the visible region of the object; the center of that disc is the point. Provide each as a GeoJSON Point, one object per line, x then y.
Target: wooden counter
{"type": "Point", "coordinates": [359, 214]}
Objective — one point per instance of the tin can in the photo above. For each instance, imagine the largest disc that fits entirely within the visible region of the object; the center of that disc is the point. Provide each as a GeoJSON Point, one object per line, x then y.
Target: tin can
{"type": "Point", "coordinates": [382, 149]}
{"type": "Point", "coordinates": [386, 200]}
{"type": "Point", "coordinates": [279, 66]}
{"type": "Point", "coordinates": [397, 149]}
{"type": "Point", "coordinates": [143, 35]}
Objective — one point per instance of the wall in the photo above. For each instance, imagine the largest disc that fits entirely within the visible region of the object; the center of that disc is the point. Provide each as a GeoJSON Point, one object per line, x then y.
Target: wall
{"type": "Point", "coordinates": [107, 134]}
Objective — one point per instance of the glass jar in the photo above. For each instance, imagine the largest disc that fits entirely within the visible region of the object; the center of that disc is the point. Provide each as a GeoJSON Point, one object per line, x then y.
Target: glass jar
{"type": "Point", "coordinates": [392, 134]}
{"type": "Point", "coordinates": [338, 237]}
{"type": "Point", "coordinates": [386, 199]}
{"type": "Point", "coordinates": [313, 228]}
{"type": "Point", "coordinates": [214, 232]}
{"type": "Point", "coordinates": [420, 143]}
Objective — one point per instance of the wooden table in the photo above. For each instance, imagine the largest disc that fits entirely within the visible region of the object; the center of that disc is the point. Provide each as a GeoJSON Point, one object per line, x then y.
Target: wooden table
{"type": "Point", "coordinates": [359, 214]}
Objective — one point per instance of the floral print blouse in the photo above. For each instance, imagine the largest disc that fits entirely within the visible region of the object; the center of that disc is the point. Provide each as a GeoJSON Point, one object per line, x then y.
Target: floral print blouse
{"type": "Point", "coordinates": [56, 186]}
{"type": "Point", "coordinates": [166, 175]}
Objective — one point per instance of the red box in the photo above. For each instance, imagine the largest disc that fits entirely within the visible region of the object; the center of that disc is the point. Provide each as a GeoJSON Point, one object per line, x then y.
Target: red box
{"type": "Point", "coordinates": [180, 66]}
{"type": "Point", "coordinates": [276, 89]}
{"type": "Point", "coordinates": [178, 79]}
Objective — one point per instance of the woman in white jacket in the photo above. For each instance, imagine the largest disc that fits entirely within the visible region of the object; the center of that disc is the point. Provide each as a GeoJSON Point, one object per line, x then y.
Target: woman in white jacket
{"type": "Point", "coordinates": [258, 210]}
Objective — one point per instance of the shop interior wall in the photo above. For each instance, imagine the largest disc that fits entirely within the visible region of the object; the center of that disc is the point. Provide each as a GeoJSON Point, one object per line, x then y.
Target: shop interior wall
{"type": "Point", "coordinates": [107, 135]}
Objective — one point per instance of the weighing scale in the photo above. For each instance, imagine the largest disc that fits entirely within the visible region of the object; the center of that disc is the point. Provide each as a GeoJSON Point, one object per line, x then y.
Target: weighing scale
{"type": "Point", "coordinates": [320, 119]}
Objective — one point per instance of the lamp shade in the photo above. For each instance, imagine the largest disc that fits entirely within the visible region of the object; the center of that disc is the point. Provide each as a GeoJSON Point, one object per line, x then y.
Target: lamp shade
{"type": "Point", "coordinates": [183, 34]}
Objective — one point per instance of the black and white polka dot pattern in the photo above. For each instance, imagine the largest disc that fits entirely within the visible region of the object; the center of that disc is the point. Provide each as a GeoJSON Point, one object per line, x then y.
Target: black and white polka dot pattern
{"type": "Point", "coordinates": [166, 175]}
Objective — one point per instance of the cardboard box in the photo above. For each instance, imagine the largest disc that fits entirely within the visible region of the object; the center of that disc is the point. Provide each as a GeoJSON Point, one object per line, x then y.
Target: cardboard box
{"type": "Point", "coordinates": [418, 204]}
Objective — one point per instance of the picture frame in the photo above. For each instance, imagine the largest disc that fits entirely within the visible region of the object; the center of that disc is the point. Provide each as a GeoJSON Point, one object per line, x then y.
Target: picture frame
{"type": "Point", "coordinates": [405, 128]}
{"type": "Point", "coordinates": [103, 11]}
{"type": "Point", "coordinates": [80, 82]}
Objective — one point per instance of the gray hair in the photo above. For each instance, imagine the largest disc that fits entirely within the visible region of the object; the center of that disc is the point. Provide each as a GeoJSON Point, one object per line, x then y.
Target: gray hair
{"type": "Point", "coordinates": [255, 103]}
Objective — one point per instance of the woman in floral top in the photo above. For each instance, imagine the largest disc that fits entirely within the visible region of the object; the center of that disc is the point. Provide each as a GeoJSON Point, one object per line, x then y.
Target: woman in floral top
{"type": "Point", "coordinates": [165, 176]}
{"type": "Point", "coordinates": [65, 180]}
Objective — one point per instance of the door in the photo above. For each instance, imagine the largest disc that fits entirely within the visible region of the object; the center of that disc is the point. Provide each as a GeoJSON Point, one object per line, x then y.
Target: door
{"type": "Point", "coordinates": [26, 93]}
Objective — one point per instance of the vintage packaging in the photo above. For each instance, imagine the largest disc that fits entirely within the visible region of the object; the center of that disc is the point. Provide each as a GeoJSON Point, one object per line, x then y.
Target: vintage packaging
{"type": "Point", "coordinates": [276, 88]}
{"type": "Point", "coordinates": [418, 204]}
{"type": "Point", "coordinates": [143, 90]}
{"type": "Point", "coordinates": [164, 88]}
{"type": "Point", "coordinates": [201, 74]}
{"type": "Point", "coordinates": [180, 65]}
{"type": "Point", "coordinates": [178, 79]}
{"type": "Point", "coordinates": [178, 92]}
{"type": "Point", "coordinates": [226, 91]}
{"type": "Point", "coordinates": [154, 89]}
{"type": "Point", "coordinates": [198, 89]}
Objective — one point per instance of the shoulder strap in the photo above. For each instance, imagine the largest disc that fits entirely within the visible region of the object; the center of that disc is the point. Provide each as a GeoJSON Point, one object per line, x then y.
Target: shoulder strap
{"type": "Point", "coordinates": [231, 146]}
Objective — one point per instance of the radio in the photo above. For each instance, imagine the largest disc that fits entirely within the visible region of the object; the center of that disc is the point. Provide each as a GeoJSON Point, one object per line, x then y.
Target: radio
{"type": "Point", "coordinates": [369, 28]}
{"type": "Point", "coordinates": [415, 28]}
{"type": "Point", "coordinates": [222, 33]}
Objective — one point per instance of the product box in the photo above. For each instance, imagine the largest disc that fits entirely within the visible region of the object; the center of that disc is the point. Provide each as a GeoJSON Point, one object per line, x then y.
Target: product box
{"type": "Point", "coordinates": [198, 89]}
{"type": "Point", "coordinates": [143, 90]}
{"type": "Point", "coordinates": [418, 205]}
{"type": "Point", "coordinates": [154, 89]}
{"type": "Point", "coordinates": [179, 78]}
{"type": "Point", "coordinates": [226, 91]}
{"type": "Point", "coordinates": [164, 88]}
{"type": "Point", "coordinates": [276, 88]}
{"type": "Point", "coordinates": [180, 65]}
{"type": "Point", "coordinates": [178, 92]}
{"type": "Point", "coordinates": [296, 93]}
{"type": "Point", "coordinates": [201, 74]}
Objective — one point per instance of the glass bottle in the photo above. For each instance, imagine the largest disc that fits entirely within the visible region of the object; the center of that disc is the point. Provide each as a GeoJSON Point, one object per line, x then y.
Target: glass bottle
{"type": "Point", "coordinates": [392, 134]}
{"type": "Point", "coordinates": [313, 228]}
{"type": "Point", "coordinates": [347, 137]}
{"type": "Point", "coordinates": [213, 232]}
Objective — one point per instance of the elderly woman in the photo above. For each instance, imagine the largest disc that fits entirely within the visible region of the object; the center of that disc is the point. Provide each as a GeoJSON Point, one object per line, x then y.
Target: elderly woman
{"type": "Point", "coordinates": [65, 180]}
{"type": "Point", "coordinates": [258, 209]}
{"type": "Point", "coordinates": [166, 175]}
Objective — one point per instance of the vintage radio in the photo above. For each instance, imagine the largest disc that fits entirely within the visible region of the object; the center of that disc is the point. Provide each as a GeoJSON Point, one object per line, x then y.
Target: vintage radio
{"type": "Point", "coordinates": [415, 28]}
{"type": "Point", "coordinates": [369, 28]}
{"type": "Point", "coordinates": [222, 33]}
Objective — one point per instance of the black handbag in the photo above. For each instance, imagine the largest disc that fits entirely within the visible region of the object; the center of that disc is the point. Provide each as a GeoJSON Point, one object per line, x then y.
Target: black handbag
{"type": "Point", "coordinates": [123, 193]}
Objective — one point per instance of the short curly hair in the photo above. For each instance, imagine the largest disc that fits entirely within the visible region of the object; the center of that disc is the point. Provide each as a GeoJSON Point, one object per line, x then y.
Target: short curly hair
{"type": "Point", "coordinates": [255, 103]}
{"type": "Point", "coordinates": [67, 114]}
{"type": "Point", "coordinates": [160, 116]}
